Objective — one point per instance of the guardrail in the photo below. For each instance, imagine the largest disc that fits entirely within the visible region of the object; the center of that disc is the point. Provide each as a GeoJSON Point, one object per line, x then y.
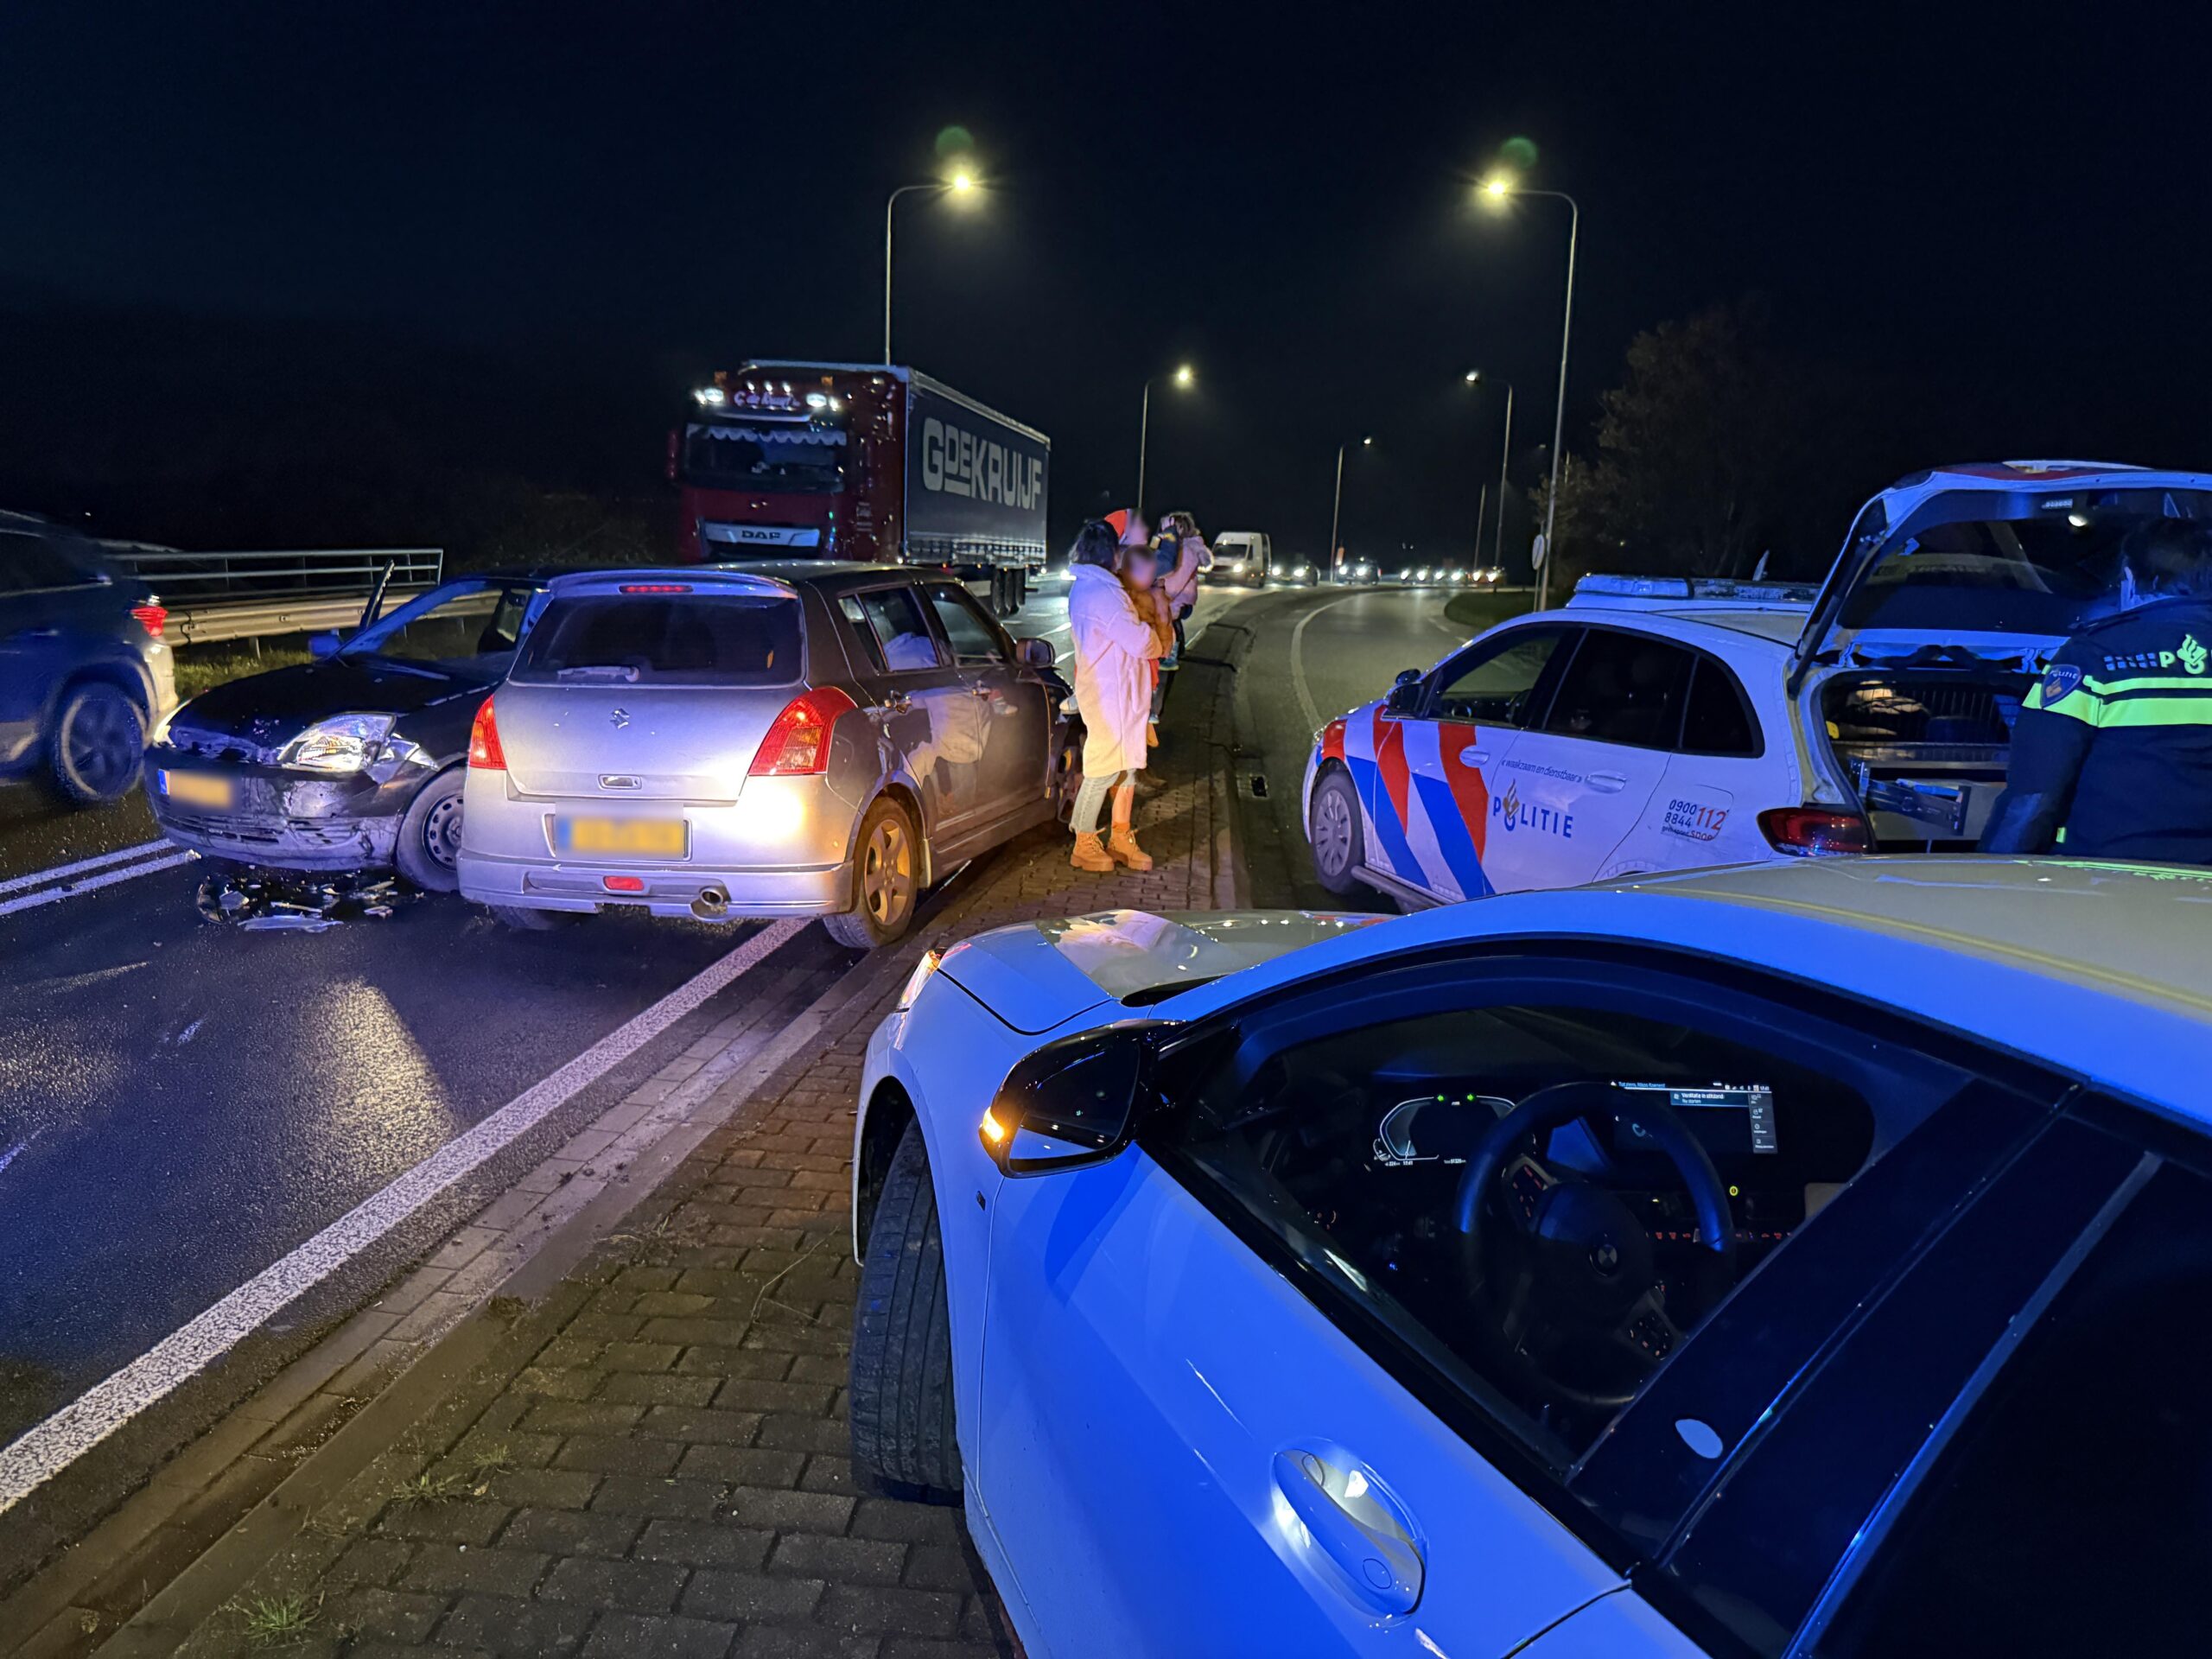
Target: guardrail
{"type": "Point", "coordinates": [186, 580]}
{"type": "Point", "coordinates": [251, 619]}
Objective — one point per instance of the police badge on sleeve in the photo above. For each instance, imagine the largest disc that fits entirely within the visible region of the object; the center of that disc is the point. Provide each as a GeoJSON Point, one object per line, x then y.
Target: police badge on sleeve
{"type": "Point", "coordinates": [2060, 680]}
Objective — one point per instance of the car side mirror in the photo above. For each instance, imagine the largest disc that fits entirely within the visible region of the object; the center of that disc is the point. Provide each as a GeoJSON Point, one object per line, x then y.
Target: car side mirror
{"type": "Point", "coordinates": [1405, 695]}
{"type": "Point", "coordinates": [322, 646]}
{"type": "Point", "coordinates": [1035, 653]}
{"type": "Point", "coordinates": [1070, 1104]}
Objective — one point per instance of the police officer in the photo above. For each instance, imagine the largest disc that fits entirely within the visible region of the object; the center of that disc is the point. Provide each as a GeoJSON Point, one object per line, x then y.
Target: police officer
{"type": "Point", "coordinates": [2111, 756]}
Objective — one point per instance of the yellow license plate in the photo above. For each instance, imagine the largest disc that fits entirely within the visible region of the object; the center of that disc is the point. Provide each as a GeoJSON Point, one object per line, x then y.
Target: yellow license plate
{"type": "Point", "coordinates": [197, 788]}
{"type": "Point", "coordinates": [621, 837]}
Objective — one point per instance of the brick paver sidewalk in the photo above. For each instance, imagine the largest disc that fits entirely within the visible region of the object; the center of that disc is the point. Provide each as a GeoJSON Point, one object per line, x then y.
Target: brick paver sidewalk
{"type": "Point", "coordinates": [655, 1462]}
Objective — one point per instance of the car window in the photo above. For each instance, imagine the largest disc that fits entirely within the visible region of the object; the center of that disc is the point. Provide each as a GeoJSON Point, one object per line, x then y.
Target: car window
{"type": "Point", "coordinates": [2064, 1509]}
{"type": "Point", "coordinates": [1496, 681]}
{"type": "Point", "coordinates": [1717, 721]}
{"type": "Point", "coordinates": [1341, 1131]}
{"type": "Point", "coordinates": [694, 639]}
{"type": "Point", "coordinates": [974, 637]}
{"type": "Point", "coordinates": [1623, 688]}
{"type": "Point", "coordinates": [443, 625]}
{"type": "Point", "coordinates": [893, 631]}
{"type": "Point", "coordinates": [29, 564]}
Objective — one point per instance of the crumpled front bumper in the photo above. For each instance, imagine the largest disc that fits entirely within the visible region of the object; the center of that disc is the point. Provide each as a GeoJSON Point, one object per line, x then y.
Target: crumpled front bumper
{"type": "Point", "coordinates": [286, 820]}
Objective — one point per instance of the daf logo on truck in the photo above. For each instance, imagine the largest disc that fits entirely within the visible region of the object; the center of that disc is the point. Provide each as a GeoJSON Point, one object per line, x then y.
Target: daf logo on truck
{"type": "Point", "coordinates": [955, 462]}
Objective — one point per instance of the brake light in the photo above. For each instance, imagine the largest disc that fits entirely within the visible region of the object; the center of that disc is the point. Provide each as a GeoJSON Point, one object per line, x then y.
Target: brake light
{"type": "Point", "coordinates": [151, 617]}
{"type": "Point", "coordinates": [797, 743]}
{"type": "Point", "coordinates": [1815, 831]}
{"type": "Point", "coordinates": [654, 587]}
{"type": "Point", "coordinates": [484, 751]}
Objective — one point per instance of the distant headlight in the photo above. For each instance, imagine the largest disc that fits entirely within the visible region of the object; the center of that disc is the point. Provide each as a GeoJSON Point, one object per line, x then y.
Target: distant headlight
{"type": "Point", "coordinates": [344, 743]}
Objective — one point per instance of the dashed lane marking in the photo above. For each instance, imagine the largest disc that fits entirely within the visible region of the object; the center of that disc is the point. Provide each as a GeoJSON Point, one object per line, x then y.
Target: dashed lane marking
{"type": "Point", "coordinates": [49, 1446]}
{"type": "Point", "coordinates": [63, 872]}
{"type": "Point", "coordinates": [94, 883]}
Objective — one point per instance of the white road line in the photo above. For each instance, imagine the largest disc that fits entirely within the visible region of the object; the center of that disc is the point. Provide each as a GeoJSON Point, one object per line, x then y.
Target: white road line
{"type": "Point", "coordinates": [107, 879]}
{"type": "Point", "coordinates": [48, 1448]}
{"type": "Point", "coordinates": [62, 872]}
{"type": "Point", "coordinates": [1298, 661]}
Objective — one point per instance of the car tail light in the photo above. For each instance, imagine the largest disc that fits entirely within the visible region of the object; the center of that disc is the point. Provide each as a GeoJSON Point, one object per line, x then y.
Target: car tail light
{"type": "Point", "coordinates": [797, 743]}
{"type": "Point", "coordinates": [1814, 831]}
{"type": "Point", "coordinates": [623, 883]}
{"type": "Point", "coordinates": [484, 751]}
{"type": "Point", "coordinates": [152, 617]}
{"type": "Point", "coordinates": [654, 587]}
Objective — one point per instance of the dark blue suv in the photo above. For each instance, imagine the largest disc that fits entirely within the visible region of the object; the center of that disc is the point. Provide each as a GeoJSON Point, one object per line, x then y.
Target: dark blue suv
{"type": "Point", "coordinates": [84, 674]}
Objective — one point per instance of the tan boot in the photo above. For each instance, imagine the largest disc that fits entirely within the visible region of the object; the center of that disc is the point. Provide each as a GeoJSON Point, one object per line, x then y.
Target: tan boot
{"type": "Point", "coordinates": [1122, 847]}
{"type": "Point", "coordinates": [1152, 734]}
{"type": "Point", "coordinates": [1089, 855]}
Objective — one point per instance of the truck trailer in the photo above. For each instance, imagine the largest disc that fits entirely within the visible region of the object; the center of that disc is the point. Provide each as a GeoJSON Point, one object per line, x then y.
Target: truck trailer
{"type": "Point", "coordinates": [863, 461]}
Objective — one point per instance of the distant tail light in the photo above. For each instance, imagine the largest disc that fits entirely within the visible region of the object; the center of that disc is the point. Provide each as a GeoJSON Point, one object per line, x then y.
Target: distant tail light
{"type": "Point", "coordinates": [152, 617]}
{"type": "Point", "coordinates": [797, 743]}
{"type": "Point", "coordinates": [1815, 831]}
{"type": "Point", "coordinates": [484, 751]}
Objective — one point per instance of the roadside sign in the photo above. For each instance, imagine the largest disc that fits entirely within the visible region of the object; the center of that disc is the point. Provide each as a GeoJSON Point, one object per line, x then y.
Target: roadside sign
{"type": "Point", "coordinates": [1536, 553]}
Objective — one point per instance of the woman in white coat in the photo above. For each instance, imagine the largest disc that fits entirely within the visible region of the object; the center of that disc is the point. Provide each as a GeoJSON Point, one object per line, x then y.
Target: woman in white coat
{"type": "Point", "coordinates": [1114, 649]}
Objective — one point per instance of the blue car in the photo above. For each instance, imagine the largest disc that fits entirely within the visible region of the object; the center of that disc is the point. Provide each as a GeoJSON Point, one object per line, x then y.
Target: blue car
{"type": "Point", "coordinates": [84, 671]}
{"type": "Point", "coordinates": [1805, 1258]}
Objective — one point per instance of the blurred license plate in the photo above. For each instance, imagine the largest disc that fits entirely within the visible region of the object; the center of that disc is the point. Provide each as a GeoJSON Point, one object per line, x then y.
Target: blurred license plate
{"type": "Point", "coordinates": [622, 837]}
{"type": "Point", "coordinates": [197, 788]}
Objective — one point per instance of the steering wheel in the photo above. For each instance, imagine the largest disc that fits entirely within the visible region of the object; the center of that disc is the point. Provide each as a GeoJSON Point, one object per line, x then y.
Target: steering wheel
{"type": "Point", "coordinates": [1560, 1269]}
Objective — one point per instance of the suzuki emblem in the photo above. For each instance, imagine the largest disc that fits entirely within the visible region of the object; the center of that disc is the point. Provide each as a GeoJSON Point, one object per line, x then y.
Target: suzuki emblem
{"type": "Point", "coordinates": [621, 717]}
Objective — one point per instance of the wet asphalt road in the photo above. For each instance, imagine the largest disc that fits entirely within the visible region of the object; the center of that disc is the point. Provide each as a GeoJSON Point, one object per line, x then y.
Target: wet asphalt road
{"type": "Point", "coordinates": [181, 1103]}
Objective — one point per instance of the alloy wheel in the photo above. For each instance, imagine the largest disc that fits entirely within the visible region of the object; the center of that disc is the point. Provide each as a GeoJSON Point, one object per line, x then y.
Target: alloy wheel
{"type": "Point", "coordinates": [887, 874]}
{"type": "Point", "coordinates": [1332, 832]}
{"type": "Point", "coordinates": [100, 737]}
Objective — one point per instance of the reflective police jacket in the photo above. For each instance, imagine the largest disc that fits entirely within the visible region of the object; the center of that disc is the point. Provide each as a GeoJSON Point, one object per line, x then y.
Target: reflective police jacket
{"type": "Point", "coordinates": [2113, 745]}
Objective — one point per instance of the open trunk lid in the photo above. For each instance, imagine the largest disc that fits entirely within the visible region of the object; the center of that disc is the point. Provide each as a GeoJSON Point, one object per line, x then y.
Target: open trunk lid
{"type": "Point", "coordinates": [1989, 564]}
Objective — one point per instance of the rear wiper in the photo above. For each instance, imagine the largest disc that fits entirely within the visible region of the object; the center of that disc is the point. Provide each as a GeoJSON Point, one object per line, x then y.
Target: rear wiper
{"type": "Point", "coordinates": [597, 671]}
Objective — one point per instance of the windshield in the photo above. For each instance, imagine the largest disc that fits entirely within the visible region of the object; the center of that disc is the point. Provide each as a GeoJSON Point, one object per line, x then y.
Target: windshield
{"type": "Point", "coordinates": [450, 623]}
{"type": "Point", "coordinates": [1997, 563]}
{"type": "Point", "coordinates": [772, 457]}
{"type": "Point", "coordinates": [698, 640]}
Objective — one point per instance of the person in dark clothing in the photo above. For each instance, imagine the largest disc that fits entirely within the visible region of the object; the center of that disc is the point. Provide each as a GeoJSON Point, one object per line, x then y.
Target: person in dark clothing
{"type": "Point", "coordinates": [2111, 756]}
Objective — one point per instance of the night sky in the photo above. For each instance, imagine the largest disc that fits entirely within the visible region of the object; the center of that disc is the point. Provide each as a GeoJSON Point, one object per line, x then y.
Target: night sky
{"type": "Point", "coordinates": [2005, 208]}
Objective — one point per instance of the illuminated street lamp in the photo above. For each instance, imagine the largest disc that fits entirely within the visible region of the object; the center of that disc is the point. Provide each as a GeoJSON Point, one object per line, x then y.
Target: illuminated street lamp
{"type": "Point", "coordinates": [1185, 378]}
{"type": "Point", "coordinates": [1474, 378]}
{"type": "Point", "coordinates": [1336, 509]}
{"type": "Point", "coordinates": [1495, 190]}
{"type": "Point", "coordinates": [960, 182]}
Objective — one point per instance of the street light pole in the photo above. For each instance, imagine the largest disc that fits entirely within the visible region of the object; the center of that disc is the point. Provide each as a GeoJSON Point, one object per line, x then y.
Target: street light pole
{"type": "Point", "coordinates": [1474, 378]}
{"type": "Point", "coordinates": [1184, 376]}
{"type": "Point", "coordinates": [959, 185]}
{"type": "Point", "coordinates": [1497, 188]}
{"type": "Point", "coordinates": [1336, 509]}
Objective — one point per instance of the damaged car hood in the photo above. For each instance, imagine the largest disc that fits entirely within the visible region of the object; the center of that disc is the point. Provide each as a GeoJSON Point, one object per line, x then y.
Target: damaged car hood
{"type": "Point", "coordinates": [268, 710]}
{"type": "Point", "coordinates": [1036, 975]}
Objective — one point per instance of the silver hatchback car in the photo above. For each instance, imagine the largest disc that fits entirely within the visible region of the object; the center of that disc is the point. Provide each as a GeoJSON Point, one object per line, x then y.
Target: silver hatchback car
{"type": "Point", "coordinates": [789, 739]}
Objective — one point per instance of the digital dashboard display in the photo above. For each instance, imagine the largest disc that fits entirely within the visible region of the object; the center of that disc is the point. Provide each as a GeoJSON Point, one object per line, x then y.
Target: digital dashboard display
{"type": "Point", "coordinates": [1726, 1117]}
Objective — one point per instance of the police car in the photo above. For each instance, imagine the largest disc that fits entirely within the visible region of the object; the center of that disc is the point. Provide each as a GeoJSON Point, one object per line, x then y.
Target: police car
{"type": "Point", "coordinates": [1659, 723]}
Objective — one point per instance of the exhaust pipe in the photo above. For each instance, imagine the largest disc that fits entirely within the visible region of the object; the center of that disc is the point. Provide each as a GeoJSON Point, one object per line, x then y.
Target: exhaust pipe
{"type": "Point", "coordinates": [711, 906]}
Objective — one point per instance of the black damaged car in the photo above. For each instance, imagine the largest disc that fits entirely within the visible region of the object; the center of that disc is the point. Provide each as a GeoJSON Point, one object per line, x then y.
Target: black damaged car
{"type": "Point", "coordinates": [353, 763]}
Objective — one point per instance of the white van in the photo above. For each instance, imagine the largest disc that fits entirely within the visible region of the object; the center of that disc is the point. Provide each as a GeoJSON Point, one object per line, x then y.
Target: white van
{"type": "Point", "coordinates": [1241, 557]}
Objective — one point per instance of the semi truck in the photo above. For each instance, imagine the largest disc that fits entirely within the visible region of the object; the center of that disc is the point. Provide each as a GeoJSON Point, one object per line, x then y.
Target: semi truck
{"type": "Point", "coordinates": [864, 461]}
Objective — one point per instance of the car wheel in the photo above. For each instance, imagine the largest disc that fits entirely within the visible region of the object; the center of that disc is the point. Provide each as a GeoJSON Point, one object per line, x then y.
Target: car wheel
{"type": "Point", "coordinates": [901, 1407]}
{"type": "Point", "coordinates": [1334, 833]}
{"type": "Point", "coordinates": [96, 746]}
{"type": "Point", "coordinates": [885, 880]}
{"type": "Point", "coordinates": [430, 836]}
